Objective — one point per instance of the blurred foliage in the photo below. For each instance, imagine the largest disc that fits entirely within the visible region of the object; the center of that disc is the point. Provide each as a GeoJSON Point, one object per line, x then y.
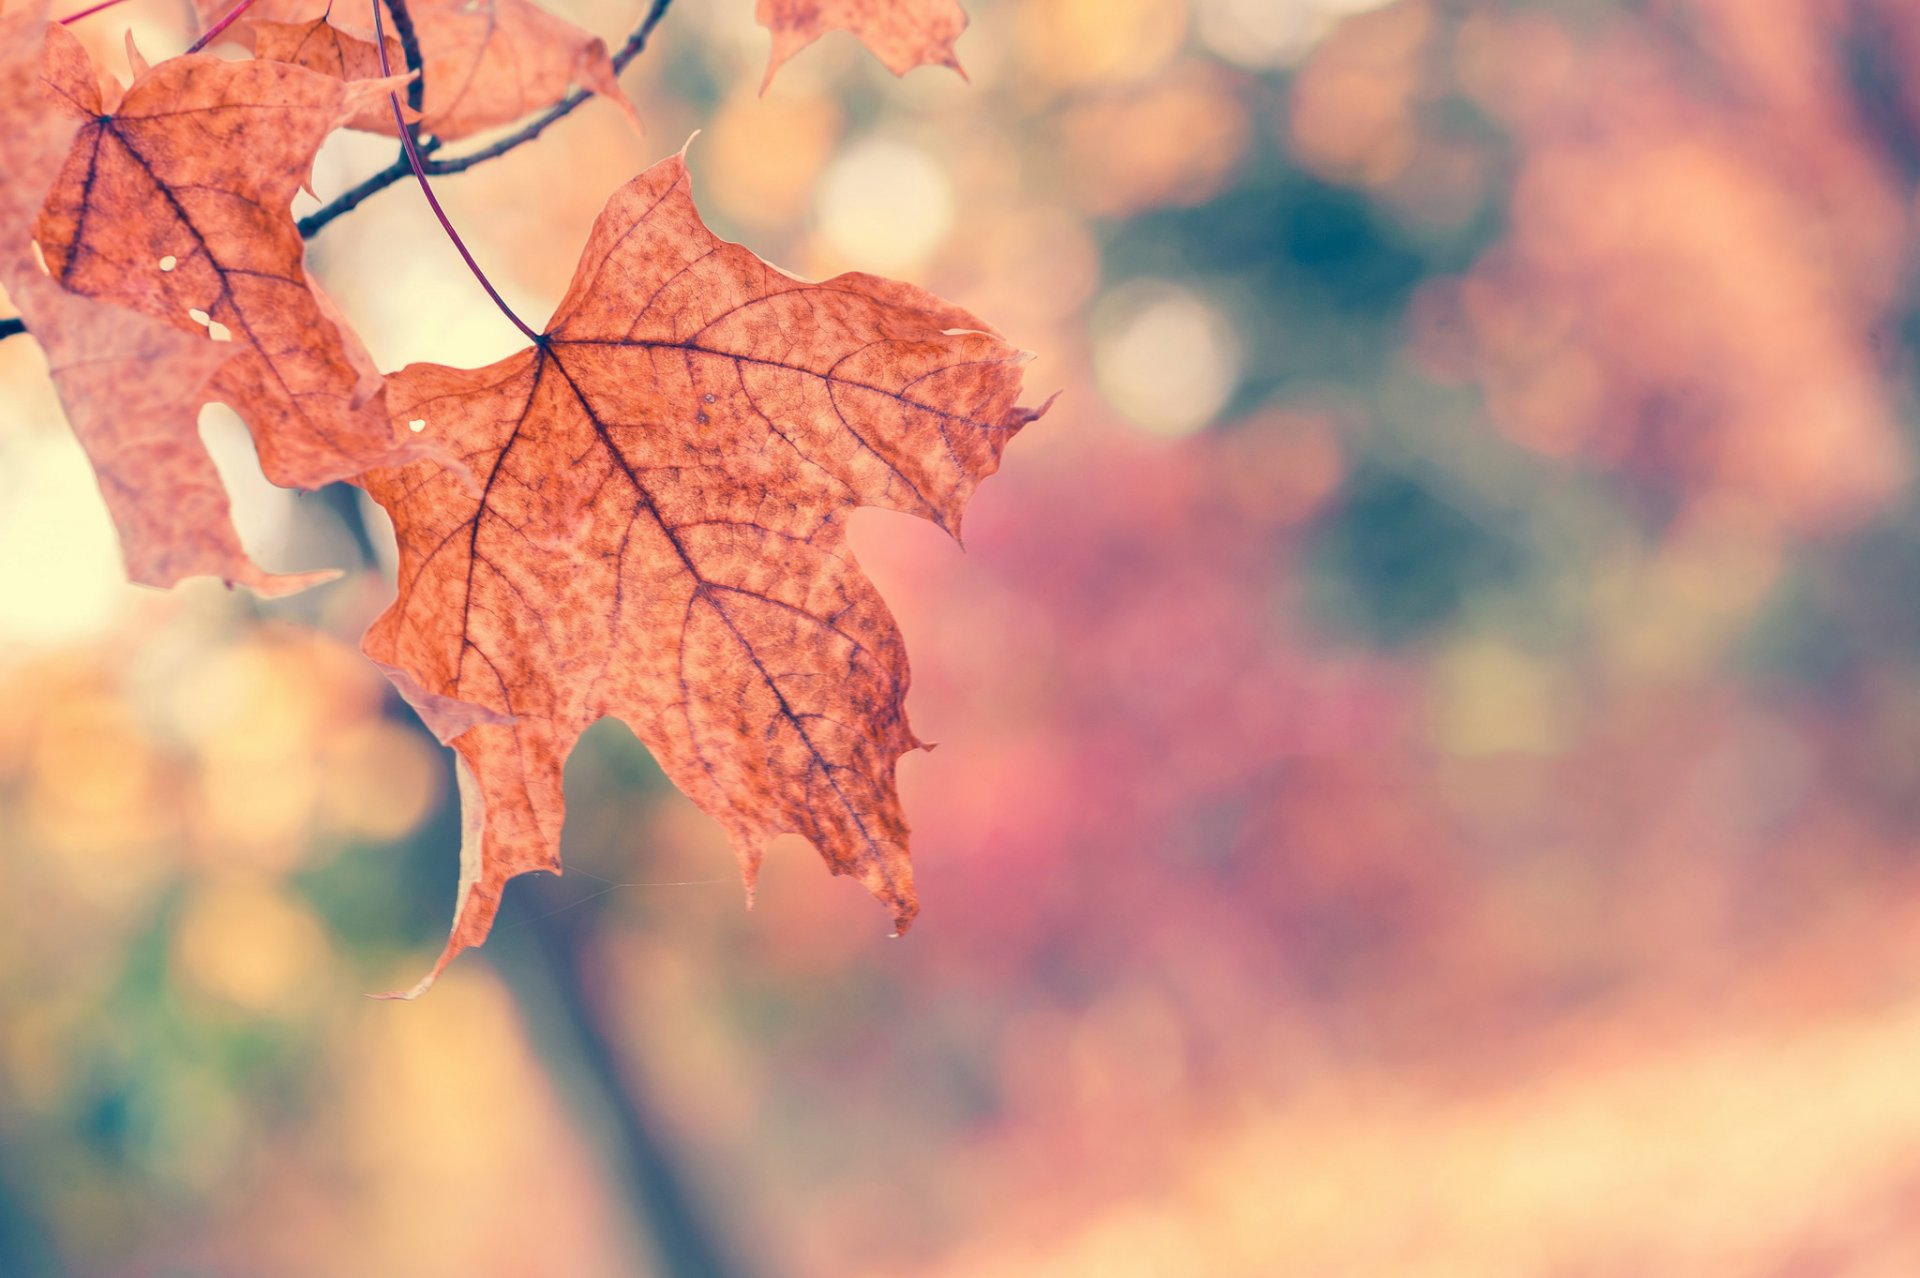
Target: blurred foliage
{"type": "Point", "coordinates": [1431, 720]}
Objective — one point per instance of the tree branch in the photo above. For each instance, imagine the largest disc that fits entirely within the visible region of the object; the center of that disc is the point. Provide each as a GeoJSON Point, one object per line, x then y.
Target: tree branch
{"type": "Point", "coordinates": [348, 200]}
{"type": "Point", "coordinates": [569, 1027]}
{"type": "Point", "coordinates": [410, 47]}
{"type": "Point", "coordinates": [9, 327]}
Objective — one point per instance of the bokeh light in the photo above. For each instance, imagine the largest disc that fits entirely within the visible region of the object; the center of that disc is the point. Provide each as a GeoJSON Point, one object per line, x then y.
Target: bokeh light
{"type": "Point", "coordinates": [1270, 33]}
{"type": "Point", "coordinates": [884, 203]}
{"type": "Point", "coordinates": [62, 579]}
{"type": "Point", "coordinates": [1164, 357]}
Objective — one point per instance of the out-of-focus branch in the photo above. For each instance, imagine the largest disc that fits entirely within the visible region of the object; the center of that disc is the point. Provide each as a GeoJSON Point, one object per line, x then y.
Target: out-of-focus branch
{"type": "Point", "coordinates": [568, 1026]}
{"type": "Point", "coordinates": [12, 327]}
{"type": "Point", "coordinates": [89, 11]}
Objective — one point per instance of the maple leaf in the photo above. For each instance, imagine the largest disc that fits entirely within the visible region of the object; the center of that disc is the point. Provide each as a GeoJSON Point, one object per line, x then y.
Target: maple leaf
{"type": "Point", "coordinates": [654, 527]}
{"type": "Point", "coordinates": [321, 46]}
{"type": "Point", "coordinates": [903, 34]}
{"type": "Point", "coordinates": [173, 202]}
{"type": "Point", "coordinates": [484, 63]}
{"type": "Point", "coordinates": [131, 386]}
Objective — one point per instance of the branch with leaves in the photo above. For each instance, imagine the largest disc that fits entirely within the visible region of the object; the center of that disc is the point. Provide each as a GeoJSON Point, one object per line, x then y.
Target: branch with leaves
{"type": "Point", "coordinates": [640, 514]}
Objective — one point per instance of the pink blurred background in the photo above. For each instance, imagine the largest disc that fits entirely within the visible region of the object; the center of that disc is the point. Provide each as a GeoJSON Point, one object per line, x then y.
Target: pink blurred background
{"type": "Point", "coordinates": [1429, 777]}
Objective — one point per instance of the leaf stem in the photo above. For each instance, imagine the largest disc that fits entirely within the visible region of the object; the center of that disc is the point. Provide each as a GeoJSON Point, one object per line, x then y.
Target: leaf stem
{"type": "Point", "coordinates": [88, 11]}
{"type": "Point", "coordinates": [226, 20]}
{"type": "Point", "coordinates": [419, 167]}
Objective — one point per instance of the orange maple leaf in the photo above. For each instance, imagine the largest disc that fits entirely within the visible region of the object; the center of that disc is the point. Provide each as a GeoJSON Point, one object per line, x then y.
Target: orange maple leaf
{"type": "Point", "coordinates": [131, 386]}
{"type": "Point", "coordinates": [654, 526]}
{"type": "Point", "coordinates": [903, 34]}
{"type": "Point", "coordinates": [483, 64]}
{"type": "Point", "coordinates": [174, 202]}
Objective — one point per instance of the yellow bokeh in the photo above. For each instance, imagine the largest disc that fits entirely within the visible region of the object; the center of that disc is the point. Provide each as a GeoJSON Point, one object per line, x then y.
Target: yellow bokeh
{"type": "Point", "coordinates": [252, 946]}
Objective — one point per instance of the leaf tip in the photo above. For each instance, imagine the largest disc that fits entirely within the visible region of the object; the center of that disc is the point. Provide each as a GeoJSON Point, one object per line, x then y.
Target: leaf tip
{"type": "Point", "coordinates": [776, 58]}
{"type": "Point", "coordinates": [420, 986]}
{"type": "Point", "coordinates": [278, 585]}
{"type": "Point", "coordinates": [749, 850]}
{"type": "Point", "coordinates": [135, 60]}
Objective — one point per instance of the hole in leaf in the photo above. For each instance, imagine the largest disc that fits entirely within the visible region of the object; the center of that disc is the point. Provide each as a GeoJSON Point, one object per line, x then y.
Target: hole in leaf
{"type": "Point", "coordinates": [219, 332]}
{"type": "Point", "coordinates": [168, 262]}
{"type": "Point", "coordinates": [198, 316]}
{"type": "Point", "coordinates": [417, 425]}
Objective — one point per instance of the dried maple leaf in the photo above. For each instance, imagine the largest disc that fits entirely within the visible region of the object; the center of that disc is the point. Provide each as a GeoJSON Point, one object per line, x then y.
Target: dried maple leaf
{"type": "Point", "coordinates": [654, 528]}
{"type": "Point", "coordinates": [131, 386]}
{"type": "Point", "coordinates": [903, 34]}
{"type": "Point", "coordinates": [320, 46]}
{"type": "Point", "coordinates": [484, 63]}
{"type": "Point", "coordinates": [174, 202]}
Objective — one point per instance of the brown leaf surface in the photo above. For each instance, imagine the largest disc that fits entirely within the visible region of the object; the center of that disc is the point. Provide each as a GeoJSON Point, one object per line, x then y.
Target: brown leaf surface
{"type": "Point", "coordinates": [321, 46]}
{"type": "Point", "coordinates": [903, 34]}
{"type": "Point", "coordinates": [658, 534]}
{"type": "Point", "coordinates": [174, 203]}
{"type": "Point", "coordinates": [485, 62]}
{"type": "Point", "coordinates": [132, 387]}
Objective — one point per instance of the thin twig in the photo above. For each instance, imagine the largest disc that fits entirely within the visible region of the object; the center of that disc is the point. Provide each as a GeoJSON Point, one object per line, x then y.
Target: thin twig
{"type": "Point", "coordinates": [226, 20]}
{"type": "Point", "coordinates": [628, 52]}
{"type": "Point", "coordinates": [419, 171]}
{"type": "Point", "coordinates": [348, 200]}
{"type": "Point", "coordinates": [89, 11]}
{"type": "Point", "coordinates": [10, 327]}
